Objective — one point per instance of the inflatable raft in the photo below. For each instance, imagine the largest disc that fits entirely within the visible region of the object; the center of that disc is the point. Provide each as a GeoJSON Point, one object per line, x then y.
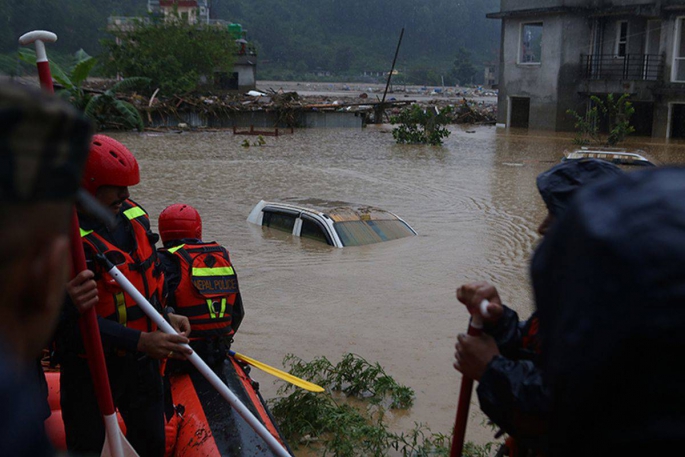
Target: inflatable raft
{"type": "Point", "coordinates": [205, 424]}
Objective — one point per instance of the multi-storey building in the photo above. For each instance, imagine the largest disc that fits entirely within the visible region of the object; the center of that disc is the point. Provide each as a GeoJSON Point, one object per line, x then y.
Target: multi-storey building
{"type": "Point", "coordinates": [555, 54]}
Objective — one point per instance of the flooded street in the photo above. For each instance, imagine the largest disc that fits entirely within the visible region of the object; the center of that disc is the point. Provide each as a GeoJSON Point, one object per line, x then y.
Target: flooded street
{"type": "Point", "coordinates": [473, 202]}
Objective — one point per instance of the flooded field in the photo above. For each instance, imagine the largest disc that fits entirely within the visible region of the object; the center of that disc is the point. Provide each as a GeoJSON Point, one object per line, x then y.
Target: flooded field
{"type": "Point", "coordinates": [473, 202]}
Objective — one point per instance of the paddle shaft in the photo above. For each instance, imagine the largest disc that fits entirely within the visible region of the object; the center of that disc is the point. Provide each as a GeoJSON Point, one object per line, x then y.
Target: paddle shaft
{"type": "Point", "coordinates": [44, 75]}
{"type": "Point", "coordinates": [90, 332]}
{"type": "Point", "coordinates": [88, 321]}
{"type": "Point", "coordinates": [201, 366]}
{"type": "Point", "coordinates": [463, 405]}
{"type": "Point", "coordinates": [475, 329]}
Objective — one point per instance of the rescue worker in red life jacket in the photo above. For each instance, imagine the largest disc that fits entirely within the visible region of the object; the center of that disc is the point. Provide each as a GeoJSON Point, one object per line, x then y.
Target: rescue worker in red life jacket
{"type": "Point", "coordinates": [133, 345]}
{"type": "Point", "coordinates": [506, 358]}
{"type": "Point", "coordinates": [202, 283]}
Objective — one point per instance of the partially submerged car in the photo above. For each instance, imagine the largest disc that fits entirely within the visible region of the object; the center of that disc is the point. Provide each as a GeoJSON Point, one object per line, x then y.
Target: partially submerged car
{"type": "Point", "coordinates": [613, 155]}
{"type": "Point", "coordinates": [335, 225]}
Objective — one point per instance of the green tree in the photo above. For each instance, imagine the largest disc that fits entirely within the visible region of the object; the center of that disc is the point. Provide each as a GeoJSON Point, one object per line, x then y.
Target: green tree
{"type": "Point", "coordinates": [173, 54]}
{"type": "Point", "coordinates": [419, 126]}
{"type": "Point", "coordinates": [463, 69]}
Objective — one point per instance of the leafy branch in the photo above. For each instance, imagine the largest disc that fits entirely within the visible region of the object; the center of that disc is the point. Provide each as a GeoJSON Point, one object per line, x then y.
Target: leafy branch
{"type": "Point", "coordinates": [617, 112]}
{"type": "Point", "coordinates": [105, 109]}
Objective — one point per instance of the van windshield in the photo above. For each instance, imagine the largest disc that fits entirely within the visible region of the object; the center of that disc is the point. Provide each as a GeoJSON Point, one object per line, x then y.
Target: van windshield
{"type": "Point", "coordinates": [358, 233]}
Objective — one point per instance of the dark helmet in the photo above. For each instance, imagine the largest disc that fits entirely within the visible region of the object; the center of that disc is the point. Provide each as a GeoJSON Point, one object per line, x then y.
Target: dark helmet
{"type": "Point", "coordinates": [558, 184]}
{"type": "Point", "coordinates": [179, 221]}
{"type": "Point", "coordinates": [109, 163]}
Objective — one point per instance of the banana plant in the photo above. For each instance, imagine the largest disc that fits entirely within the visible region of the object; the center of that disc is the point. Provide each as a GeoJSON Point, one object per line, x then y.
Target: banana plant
{"type": "Point", "coordinates": [105, 109]}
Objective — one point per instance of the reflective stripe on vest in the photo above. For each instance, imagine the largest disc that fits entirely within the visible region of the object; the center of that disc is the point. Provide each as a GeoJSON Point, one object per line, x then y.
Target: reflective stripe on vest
{"type": "Point", "coordinates": [174, 249]}
{"type": "Point", "coordinates": [221, 271]}
{"type": "Point", "coordinates": [212, 309]}
{"type": "Point", "coordinates": [120, 304]}
{"type": "Point", "coordinates": [134, 212]}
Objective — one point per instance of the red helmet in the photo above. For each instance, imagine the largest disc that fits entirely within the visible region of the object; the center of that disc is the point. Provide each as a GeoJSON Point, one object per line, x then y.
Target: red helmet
{"type": "Point", "coordinates": [109, 163]}
{"type": "Point", "coordinates": [179, 221]}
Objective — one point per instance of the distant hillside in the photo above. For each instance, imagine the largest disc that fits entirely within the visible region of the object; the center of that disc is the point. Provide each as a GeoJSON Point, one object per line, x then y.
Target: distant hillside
{"type": "Point", "coordinates": [295, 37]}
{"type": "Point", "coordinates": [345, 36]}
{"type": "Point", "coordinates": [78, 24]}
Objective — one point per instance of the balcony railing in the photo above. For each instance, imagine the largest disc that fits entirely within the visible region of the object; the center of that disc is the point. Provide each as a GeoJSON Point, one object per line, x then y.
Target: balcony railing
{"type": "Point", "coordinates": [631, 67]}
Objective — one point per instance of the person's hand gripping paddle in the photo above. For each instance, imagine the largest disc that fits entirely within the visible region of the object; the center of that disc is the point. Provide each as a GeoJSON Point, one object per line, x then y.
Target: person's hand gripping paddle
{"type": "Point", "coordinates": [116, 444]}
{"type": "Point", "coordinates": [475, 329]}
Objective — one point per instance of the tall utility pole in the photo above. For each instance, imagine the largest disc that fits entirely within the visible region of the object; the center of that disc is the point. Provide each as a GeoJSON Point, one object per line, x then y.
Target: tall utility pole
{"type": "Point", "coordinates": [379, 110]}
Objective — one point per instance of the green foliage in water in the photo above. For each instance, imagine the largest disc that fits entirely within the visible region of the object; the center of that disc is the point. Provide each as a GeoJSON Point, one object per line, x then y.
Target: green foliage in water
{"type": "Point", "coordinates": [615, 112]}
{"type": "Point", "coordinates": [335, 426]}
{"type": "Point", "coordinates": [104, 109]}
{"type": "Point", "coordinates": [419, 126]}
{"type": "Point", "coordinates": [260, 142]}
{"type": "Point", "coordinates": [173, 53]}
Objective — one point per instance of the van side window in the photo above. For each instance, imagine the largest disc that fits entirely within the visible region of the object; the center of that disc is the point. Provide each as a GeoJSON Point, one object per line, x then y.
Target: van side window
{"type": "Point", "coordinates": [313, 230]}
{"type": "Point", "coordinates": [279, 221]}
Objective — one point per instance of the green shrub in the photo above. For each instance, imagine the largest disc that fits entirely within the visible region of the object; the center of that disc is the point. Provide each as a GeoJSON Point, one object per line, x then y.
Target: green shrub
{"type": "Point", "coordinates": [419, 126]}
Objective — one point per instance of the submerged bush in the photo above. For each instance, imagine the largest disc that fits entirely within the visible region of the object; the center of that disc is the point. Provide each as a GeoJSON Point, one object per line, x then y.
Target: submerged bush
{"type": "Point", "coordinates": [337, 426]}
{"type": "Point", "coordinates": [421, 126]}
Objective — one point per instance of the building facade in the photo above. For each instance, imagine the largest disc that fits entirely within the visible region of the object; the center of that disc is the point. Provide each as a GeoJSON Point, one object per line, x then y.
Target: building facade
{"type": "Point", "coordinates": [197, 12]}
{"type": "Point", "coordinates": [555, 54]}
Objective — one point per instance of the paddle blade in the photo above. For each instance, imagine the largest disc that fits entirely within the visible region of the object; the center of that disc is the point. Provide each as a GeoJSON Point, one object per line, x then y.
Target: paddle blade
{"type": "Point", "coordinates": [306, 385]}
{"type": "Point", "coordinates": [116, 444]}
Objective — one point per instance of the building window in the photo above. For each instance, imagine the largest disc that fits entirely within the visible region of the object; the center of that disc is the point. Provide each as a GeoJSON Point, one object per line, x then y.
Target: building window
{"type": "Point", "coordinates": [678, 71]}
{"type": "Point", "coordinates": [621, 39]}
{"type": "Point", "coordinates": [531, 43]}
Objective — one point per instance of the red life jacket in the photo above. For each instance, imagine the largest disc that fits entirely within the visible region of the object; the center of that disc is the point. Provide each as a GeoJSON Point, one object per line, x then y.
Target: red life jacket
{"type": "Point", "coordinates": [207, 290]}
{"type": "Point", "coordinates": [141, 267]}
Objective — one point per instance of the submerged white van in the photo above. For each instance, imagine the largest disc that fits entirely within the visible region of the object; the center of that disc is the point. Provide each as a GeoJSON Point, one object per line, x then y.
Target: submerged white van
{"type": "Point", "coordinates": [337, 226]}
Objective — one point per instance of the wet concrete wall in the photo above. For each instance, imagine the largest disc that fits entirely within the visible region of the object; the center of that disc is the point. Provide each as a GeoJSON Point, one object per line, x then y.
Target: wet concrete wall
{"type": "Point", "coordinates": [574, 34]}
{"type": "Point", "coordinates": [540, 82]}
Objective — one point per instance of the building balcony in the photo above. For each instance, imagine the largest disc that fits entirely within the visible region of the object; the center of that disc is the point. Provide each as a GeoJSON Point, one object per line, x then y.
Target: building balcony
{"type": "Point", "coordinates": [631, 67]}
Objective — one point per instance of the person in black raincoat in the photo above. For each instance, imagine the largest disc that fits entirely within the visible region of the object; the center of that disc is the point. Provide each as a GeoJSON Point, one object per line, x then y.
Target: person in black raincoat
{"type": "Point", "coordinates": [506, 359]}
{"type": "Point", "coordinates": [609, 284]}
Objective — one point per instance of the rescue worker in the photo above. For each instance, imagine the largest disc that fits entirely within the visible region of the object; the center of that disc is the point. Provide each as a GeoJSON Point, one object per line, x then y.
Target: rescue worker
{"type": "Point", "coordinates": [43, 146]}
{"type": "Point", "coordinates": [202, 283]}
{"type": "Point", "coordinates": [609, 286]}
{"type": "Point", "coordinates": [506, 359]}
{"type": "Point", "coordinates": [132, 343]}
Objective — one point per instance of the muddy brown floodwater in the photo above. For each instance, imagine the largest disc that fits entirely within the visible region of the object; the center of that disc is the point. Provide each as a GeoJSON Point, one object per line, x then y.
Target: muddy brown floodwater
{"type": "Point", "coordinates": [473, 202]}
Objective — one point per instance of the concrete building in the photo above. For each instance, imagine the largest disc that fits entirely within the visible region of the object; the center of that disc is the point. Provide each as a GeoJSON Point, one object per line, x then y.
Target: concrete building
{"type": "Point", "coordinates": [556, 53]}
{"type": "Point", "coordinates": [191, 11]}
{"type": "Point", "coordinates": [491, 74]}
{"type": "Point", "coordinates": [197, 12]}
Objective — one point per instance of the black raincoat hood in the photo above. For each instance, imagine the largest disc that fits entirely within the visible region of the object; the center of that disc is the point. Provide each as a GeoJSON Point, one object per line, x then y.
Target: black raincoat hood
{"type": "Point", "coordinates": [609, 283]}
{"type": "Point", "coordinates": [558, 184]}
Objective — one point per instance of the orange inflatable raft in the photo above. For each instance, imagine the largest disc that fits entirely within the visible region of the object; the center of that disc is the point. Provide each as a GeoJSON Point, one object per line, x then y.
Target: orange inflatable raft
{"type": "Point", "coordinates": [205, 424]}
